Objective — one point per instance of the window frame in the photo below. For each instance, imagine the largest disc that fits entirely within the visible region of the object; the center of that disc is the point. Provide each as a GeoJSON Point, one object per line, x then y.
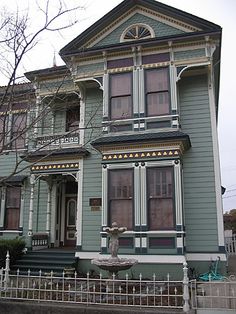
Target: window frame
{"type": "Point", "coordinates": [109, 222]}
{"type": "Point", "coordinates": [7, 207]}
{"type": "Point", "coordinates": [67, 126]}
{"type": "Point", "coordinates": [130, 73]}
{"type": "Point", "coordinates": [168, 91]}
{"type": "Point", "coordinates": [173, 198]}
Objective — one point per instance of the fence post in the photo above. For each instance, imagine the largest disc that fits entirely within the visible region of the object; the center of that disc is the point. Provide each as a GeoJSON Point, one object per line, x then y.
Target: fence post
{"type": "Point", "coordinates": [186, 306]}
{"type": "Point", "coordinates": [7, 269]}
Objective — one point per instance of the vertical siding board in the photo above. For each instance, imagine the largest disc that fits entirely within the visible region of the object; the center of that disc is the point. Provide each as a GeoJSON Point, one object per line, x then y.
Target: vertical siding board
{"type": "Point", "coordinates": [199, 189]}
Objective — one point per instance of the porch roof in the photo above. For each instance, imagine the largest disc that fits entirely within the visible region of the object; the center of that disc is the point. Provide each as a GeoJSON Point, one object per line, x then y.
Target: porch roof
{"type": "Point", "coordinates": [47, 154]}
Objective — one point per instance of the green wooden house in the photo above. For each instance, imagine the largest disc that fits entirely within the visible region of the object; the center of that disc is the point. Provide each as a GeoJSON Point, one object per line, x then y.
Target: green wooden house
{"type": "Point", "coordinates": [125, 131]}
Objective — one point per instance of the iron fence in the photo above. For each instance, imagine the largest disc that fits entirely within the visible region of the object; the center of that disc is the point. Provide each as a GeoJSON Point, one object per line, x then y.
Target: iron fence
{"type": "Point", "coordinates": [71, 288]}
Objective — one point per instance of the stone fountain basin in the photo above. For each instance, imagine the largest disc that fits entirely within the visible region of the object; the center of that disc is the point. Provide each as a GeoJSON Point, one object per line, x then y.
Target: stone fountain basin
{"type": "Point", "coordinates": [113, 265]}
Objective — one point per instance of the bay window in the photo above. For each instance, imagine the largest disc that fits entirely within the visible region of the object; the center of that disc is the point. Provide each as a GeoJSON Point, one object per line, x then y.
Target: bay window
{"type": "Point", "coordinates": [120, 197]}
{"type": "Point", "coordinates": [160, 198]}
{"type": "Point", "coordinates": [157, 92]}
{"type": "Point", "coordinates": [121, 96]}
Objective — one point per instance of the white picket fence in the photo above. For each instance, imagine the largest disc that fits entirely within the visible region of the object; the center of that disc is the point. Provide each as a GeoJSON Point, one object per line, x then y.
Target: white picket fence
{"type": "Point", "coordinates": [230, 245]}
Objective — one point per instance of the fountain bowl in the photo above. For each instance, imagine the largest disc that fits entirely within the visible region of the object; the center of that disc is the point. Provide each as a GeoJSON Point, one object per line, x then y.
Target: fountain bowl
{"type": "Point", "coordinates": [115, 264]}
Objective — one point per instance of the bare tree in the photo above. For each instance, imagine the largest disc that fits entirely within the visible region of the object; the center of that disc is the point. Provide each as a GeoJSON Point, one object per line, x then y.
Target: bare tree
{"type": "Point", "coordinates": [18, 118]}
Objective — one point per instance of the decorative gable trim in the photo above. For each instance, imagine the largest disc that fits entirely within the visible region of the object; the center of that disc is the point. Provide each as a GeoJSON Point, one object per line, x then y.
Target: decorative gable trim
{"type": "Point", "coordinates": [146, 12]}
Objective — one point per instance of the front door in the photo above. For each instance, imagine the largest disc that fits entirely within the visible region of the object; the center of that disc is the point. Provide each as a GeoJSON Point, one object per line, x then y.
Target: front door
{"type": "Point", "coordinates": [70, 221]}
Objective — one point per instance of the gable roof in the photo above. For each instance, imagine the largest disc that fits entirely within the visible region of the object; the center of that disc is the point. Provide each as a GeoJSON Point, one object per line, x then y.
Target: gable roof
{"type": "Point", "coordinates": [78, 43]}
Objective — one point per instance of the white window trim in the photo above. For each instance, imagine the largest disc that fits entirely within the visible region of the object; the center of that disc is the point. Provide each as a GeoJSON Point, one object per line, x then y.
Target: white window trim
{"type": "Point", "coordinates": [140, 190]}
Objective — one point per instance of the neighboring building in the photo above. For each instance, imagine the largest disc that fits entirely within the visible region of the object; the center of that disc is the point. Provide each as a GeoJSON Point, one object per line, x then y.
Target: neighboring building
{"type": "Point", "coordinates": [126, 132]}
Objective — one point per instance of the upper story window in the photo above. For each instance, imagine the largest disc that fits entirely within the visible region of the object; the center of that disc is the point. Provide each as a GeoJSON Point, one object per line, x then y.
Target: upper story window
{"type": "Point", "coordinates": [157, 92]}
{"type": "Point", "coordinates": [13, 124]}
{"type": "Point", "coordinates": [72, 118]}
{"type": "Point", "coordinates": [136, 32]}
{"type": "Point", "coordinates": [121, 96]}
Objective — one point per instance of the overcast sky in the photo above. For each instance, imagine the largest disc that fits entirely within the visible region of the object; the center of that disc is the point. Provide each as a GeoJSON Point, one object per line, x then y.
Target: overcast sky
{"type": "Point", "coordinates": [221, 12]}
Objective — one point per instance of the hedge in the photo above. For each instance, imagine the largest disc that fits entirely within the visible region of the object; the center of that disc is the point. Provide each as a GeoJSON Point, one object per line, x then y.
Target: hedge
{"type": "Point", "coordinates": [15, 248]}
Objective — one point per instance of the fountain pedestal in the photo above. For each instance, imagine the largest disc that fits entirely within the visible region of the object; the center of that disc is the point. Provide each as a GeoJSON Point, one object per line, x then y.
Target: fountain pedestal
{"type": "Point", "coordinates": [114, 264]}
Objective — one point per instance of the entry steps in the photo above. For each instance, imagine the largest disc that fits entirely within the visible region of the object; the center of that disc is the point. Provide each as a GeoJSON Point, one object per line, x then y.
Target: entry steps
{"type": "Point", "coordinates": [46, 260]}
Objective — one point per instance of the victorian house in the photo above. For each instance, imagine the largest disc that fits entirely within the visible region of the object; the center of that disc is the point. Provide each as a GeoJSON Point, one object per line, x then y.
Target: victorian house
{"type": "Point", "coordinates": [125, 131]}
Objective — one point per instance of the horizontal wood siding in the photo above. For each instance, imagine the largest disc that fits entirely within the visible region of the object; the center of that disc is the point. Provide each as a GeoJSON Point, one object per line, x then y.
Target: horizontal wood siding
{"type": "Point", "coordinates": [92, 182]}
{"type": "Point", "coordinates": [198, 172]}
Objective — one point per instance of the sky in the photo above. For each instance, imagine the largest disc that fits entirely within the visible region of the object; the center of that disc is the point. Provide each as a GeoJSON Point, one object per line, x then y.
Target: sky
{"type": "Point", "coordinates": [221, 12]}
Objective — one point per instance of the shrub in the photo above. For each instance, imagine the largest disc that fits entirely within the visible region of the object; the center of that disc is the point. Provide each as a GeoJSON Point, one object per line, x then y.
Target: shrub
{"type": "Point", "coordinates": [15, 248]}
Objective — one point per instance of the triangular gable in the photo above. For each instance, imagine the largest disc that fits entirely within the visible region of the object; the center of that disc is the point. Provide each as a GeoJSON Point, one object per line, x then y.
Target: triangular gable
{"type": "Point", "coordinates": [170, 20]}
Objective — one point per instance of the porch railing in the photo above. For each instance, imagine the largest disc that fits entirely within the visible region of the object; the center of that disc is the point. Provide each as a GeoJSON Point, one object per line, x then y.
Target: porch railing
{"type": "Point", "coordinates": [58, 140]}
{"type": "Point", "coordinates": [153, 293]}
{"type": "Point", "coordinates": [230, 245]}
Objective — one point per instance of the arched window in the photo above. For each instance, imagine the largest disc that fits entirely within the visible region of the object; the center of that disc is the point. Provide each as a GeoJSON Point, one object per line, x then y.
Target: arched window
{"type": "Point", "coordinates": [136, 32]}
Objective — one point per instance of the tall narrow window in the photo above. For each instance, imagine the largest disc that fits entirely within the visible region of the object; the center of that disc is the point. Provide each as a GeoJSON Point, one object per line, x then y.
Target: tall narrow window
{"type": "Point", "coordinates": [18, 130]}
{"type": "Point", "coordinates": [12, 212]}
{"type": "Point", "coordinates": [120, 96]}
{"type": "Point", "coordinates": [157, 92]}
{"type": "Point", "coordinates": [160, 193]}
{"type": "Point", "coordinates": [121, 197]}
{"type": "Point", "coordinates": [72, 119]}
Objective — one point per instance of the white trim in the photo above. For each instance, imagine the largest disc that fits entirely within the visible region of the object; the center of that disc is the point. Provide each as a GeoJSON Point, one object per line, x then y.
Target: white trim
{"type": "Point", "coordinates": [205, 256]}
{"type": "Point", "coordinates": [163, 163]}
{"type": "Point", "coordinates": [3, 202]}
{"type": "Point", "coordinates": [143, 195]}
{"type": "Point", "coordinates": [137, 242]}
{"type": "Point", "coordinates": [144, 242]}
{"type": "Point", "coordinates": [105, 94]}
{"type": "Point", "coordinates": [103, 242]}
{"type": "Point", "coordinates": [178, 194]}
{"type": "Point", "coordinates": [147, 259]}
{"type": "Point", "coordinates": [173, 90]}
{"type": "Point", "coordinates": [180, 242]}
{"type": "Point", "coordinates": [79, 216]}
{"type": "Point", "coordinates": [137, 193]}
{"type": "Point", "coordinates": [135, 91]}
{"type": "Point", "coordinates": [212, 105]}
{"type": "Point", "coordinates": [104, 196]}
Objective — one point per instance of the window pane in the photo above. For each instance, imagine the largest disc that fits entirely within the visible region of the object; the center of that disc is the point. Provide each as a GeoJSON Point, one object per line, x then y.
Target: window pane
{"type": "Point", "coordinates": [158, 104]}
{"type": "Point", "coordinates": [13, 197]}
{"type": "Point", "coordinates": [121, 96]}
{"type": "Point", "coordinates": [160, 183]}
{"type": "Point", "coordinates": [121, 211]}
{"type": "Point", "coordinates": [120, 84]}
{"type": "Point", "coordinates": [157, 80]}
{"type": "Point", "coordinates": [12, 215]}
{"type": "Point", "coordinates": [19, 130]}
{"type": "Point", "coordinates": [121, 197]}
{"type": "Point", "coordinates": [12, 218]}
{"type": "Point", "coordinates": [121, 107]}
{"type": "Point", "coordinates": [72, 118]}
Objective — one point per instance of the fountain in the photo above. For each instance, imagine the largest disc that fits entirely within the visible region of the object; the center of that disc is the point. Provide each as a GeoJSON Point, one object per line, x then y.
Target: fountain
{"type": "Point", "coordinates": [114, 264]}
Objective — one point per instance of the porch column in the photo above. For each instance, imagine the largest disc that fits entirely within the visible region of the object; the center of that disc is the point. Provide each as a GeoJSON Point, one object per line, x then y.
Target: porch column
{"type": "Point", "coordinates": [31, 209]}
{"type": "Point", "coordinates": [48, 213]}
